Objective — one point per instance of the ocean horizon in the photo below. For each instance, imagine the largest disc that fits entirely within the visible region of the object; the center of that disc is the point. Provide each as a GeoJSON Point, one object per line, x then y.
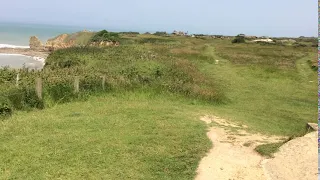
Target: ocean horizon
{"type": "Point", "coordinates": [17, 35]}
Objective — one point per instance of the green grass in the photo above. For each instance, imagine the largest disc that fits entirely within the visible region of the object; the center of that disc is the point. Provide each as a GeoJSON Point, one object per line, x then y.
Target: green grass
{"type": "Point", "coordinates": [78, 38]}
{"type": "Point", "coordinates": [128, 136]}
{"type": "Point", "coordinates": [273, 101]}
{"type": "Point", "coordinates": [268, 149]}
{"type": "Point", "coordinates": [269, 88]}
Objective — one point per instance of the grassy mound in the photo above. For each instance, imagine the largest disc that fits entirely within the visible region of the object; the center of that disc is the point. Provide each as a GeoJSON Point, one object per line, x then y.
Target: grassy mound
{"type": "Point", "coordinates": [138, 66]}
{"type": "Point", "coordinates": [81, 38]}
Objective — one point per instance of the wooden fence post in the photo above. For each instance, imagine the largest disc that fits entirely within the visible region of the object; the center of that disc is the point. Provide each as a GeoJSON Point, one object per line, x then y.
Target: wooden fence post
{"type": "Point", "coordinates": [17, 80]}
{"type": "Point", "coordinates": [76, 84]}
{"type": "Point", "coordinates": [39, 88]}
{"type": "Point", "coordinates": [103, 81]}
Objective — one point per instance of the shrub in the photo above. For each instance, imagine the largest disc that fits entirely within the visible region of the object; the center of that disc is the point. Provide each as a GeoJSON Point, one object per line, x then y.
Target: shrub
{"type": "Point", "coordinates": [299, 45]}
{"type": "Point", "coordinates": [312, 65]}
{"type": "Point", "coordinates": [130, 33]}
{"type": "Point", "coordinates": [104, 35]}
{"type": "Point", "coordinates": [61, 92]}
{"type": "Point", "coordinates": [238, 39]}
{"type": "Point", "coordinates": [5, 109]}
{"type": "Point", "coordinates": [160, 33]}
{"type": "Point", "coordinates": [21, 99]}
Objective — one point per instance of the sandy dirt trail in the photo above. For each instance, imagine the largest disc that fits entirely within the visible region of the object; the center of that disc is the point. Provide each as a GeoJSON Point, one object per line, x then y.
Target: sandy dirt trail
{"type": "Point", "coordinates": [233, 156]}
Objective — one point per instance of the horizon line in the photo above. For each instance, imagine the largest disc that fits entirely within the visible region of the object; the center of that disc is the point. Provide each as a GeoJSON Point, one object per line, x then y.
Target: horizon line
{"type": "Point", "coordinates": [113, 29]}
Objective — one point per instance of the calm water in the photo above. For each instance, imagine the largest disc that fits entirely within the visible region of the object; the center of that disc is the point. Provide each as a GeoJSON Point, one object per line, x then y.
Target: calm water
{"type": "Point", "coordinates": [17, 35]}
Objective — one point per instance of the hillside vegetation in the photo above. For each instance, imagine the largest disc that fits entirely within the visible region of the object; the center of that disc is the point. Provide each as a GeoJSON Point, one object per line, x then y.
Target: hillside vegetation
{"type": "Point", "coordinates": [247, 75]}
{"type": "Point", "coordinates": [146, 118]}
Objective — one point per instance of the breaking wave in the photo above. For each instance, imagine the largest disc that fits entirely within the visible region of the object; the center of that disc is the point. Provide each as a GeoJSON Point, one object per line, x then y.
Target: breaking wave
{"type": "Point", "coordinates": [13, 46]}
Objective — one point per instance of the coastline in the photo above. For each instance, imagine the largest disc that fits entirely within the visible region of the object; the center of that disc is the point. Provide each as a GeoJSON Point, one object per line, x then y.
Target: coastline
{"type": "Point", "coordinates": [24, 51]}
{"type": "Point", "coordinates": [36, 55]}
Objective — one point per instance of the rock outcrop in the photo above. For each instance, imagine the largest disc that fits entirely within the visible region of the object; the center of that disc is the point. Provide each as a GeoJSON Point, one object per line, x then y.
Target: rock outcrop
{"type": "Point", "coordinates": [58, 42]}
{"type": "Point", "coordinates": [62, 41]}
{"type": "Point", "coordinates": [35, 43]}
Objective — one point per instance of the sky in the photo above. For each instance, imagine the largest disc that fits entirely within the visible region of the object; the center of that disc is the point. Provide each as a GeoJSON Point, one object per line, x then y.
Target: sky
{"type": "Point", "coordinates": [232, 17]}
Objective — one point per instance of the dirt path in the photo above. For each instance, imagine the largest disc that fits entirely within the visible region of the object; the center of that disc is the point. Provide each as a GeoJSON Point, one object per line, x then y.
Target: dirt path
{"type": "Point", "coordinates": [233, 157]}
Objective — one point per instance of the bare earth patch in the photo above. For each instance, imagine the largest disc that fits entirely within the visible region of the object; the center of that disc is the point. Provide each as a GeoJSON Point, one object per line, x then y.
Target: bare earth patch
{"type": "Point", "coordinates": [233, 156]}
{"type": "Point", "coordinates": [297, 159]}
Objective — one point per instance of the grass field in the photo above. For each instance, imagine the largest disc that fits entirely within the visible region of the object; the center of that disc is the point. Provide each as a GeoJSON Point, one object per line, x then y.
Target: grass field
{"type": "Point", "coordinates": [147, 125]}
{"type": "Point", "coordinates": [114, 136]}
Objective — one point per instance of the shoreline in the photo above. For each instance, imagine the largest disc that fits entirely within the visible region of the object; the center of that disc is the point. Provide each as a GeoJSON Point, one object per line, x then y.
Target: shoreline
{"type": "Point", "coordinates": [25, 52]}
{"type": "Point", "coordinates": [36, 55]}
{"type": "Point", "coordinates": [13, 46]}
{"type": "Point", "coordinates": [36, 58]}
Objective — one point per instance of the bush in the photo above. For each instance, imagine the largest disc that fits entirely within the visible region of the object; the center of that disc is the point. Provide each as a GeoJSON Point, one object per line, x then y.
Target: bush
{"type": "Point", "coordinates": [312, 65]}
{"type": "Point", "coordinates": [104, 35]}
{"type": "Point", "coordinates": [5, 109]}
{"type": "Point", "coordinates": [299, 45]}
{"type": "Point", "coordinates": [21, 99]}
{"type": "Point", "coordinates": [160, 33]}
{"type": "Point", "coordinates": [61, 92]}
{"type": "Point", "coordinates": [130, 33]}
{"type": "Point", "coordinates": [238, 39]}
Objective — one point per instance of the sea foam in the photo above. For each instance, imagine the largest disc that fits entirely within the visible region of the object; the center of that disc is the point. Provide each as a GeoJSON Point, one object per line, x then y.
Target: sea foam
{"type": "Point", "coordinates": [13, 46]}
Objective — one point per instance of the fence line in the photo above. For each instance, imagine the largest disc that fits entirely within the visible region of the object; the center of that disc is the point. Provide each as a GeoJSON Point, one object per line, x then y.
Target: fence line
{"type": "Point", "coordinates": [76, 84]}
{"type": "Point", "coordinates": [39, 88]}
{"type": "Point", "coordinates": [39, 84]}
{"type": "Point", "coordinates": [17, 80]}
{"type": "Point", "coordinates": [103, 82]}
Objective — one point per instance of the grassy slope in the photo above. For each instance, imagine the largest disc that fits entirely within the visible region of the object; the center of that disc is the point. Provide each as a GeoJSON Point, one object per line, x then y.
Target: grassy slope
{"type": "Point", "coordinates": [279, 102]}
{"type": "Point", "coordinates": [268, 87]}
{"type": "Point", "coordinates": [159, 137]}
{"type": "Point", "coordinates": [79, 38]}
{"type": "Point", "coordinates": [128, 136]}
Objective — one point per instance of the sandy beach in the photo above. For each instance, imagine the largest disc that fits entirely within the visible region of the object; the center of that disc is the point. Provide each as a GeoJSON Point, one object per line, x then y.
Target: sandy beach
{"type": "Point", "coordinates": [25, 51]}
{"type": "Point", "coordinates": [36, 58]}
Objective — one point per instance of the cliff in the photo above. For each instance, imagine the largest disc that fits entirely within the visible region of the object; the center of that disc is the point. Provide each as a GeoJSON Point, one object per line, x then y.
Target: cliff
{"type": "Point", "coordinates": [35, 43]}
{"type": "Point", "coordinates": [59, 42]}
{"type": "Point", "coordinates": [69, 40]}
{"type": "Point", "coordinates": [83, 38]}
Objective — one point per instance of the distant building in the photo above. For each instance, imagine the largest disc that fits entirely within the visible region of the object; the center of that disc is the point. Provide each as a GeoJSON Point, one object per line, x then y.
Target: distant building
{"type": "Point", "coordinates": [179, 33]}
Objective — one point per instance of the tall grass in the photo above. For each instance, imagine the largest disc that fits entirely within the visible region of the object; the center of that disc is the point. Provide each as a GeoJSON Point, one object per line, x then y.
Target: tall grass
{"type": "Point", "coordinates": [127, 68]}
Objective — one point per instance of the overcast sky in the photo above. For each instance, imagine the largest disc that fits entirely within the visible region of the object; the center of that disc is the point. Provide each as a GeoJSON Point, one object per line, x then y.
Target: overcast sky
{"type": "Point", "coordinates": [252, 17]}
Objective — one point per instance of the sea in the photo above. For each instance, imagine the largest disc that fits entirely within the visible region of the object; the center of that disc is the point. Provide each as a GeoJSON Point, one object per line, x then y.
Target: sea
{"type": "Point", "coordinates": [16, 35]}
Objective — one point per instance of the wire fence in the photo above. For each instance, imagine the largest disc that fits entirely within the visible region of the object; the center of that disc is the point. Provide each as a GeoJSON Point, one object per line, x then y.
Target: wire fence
{"type": "Point", "coordinates": [77, 82]}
